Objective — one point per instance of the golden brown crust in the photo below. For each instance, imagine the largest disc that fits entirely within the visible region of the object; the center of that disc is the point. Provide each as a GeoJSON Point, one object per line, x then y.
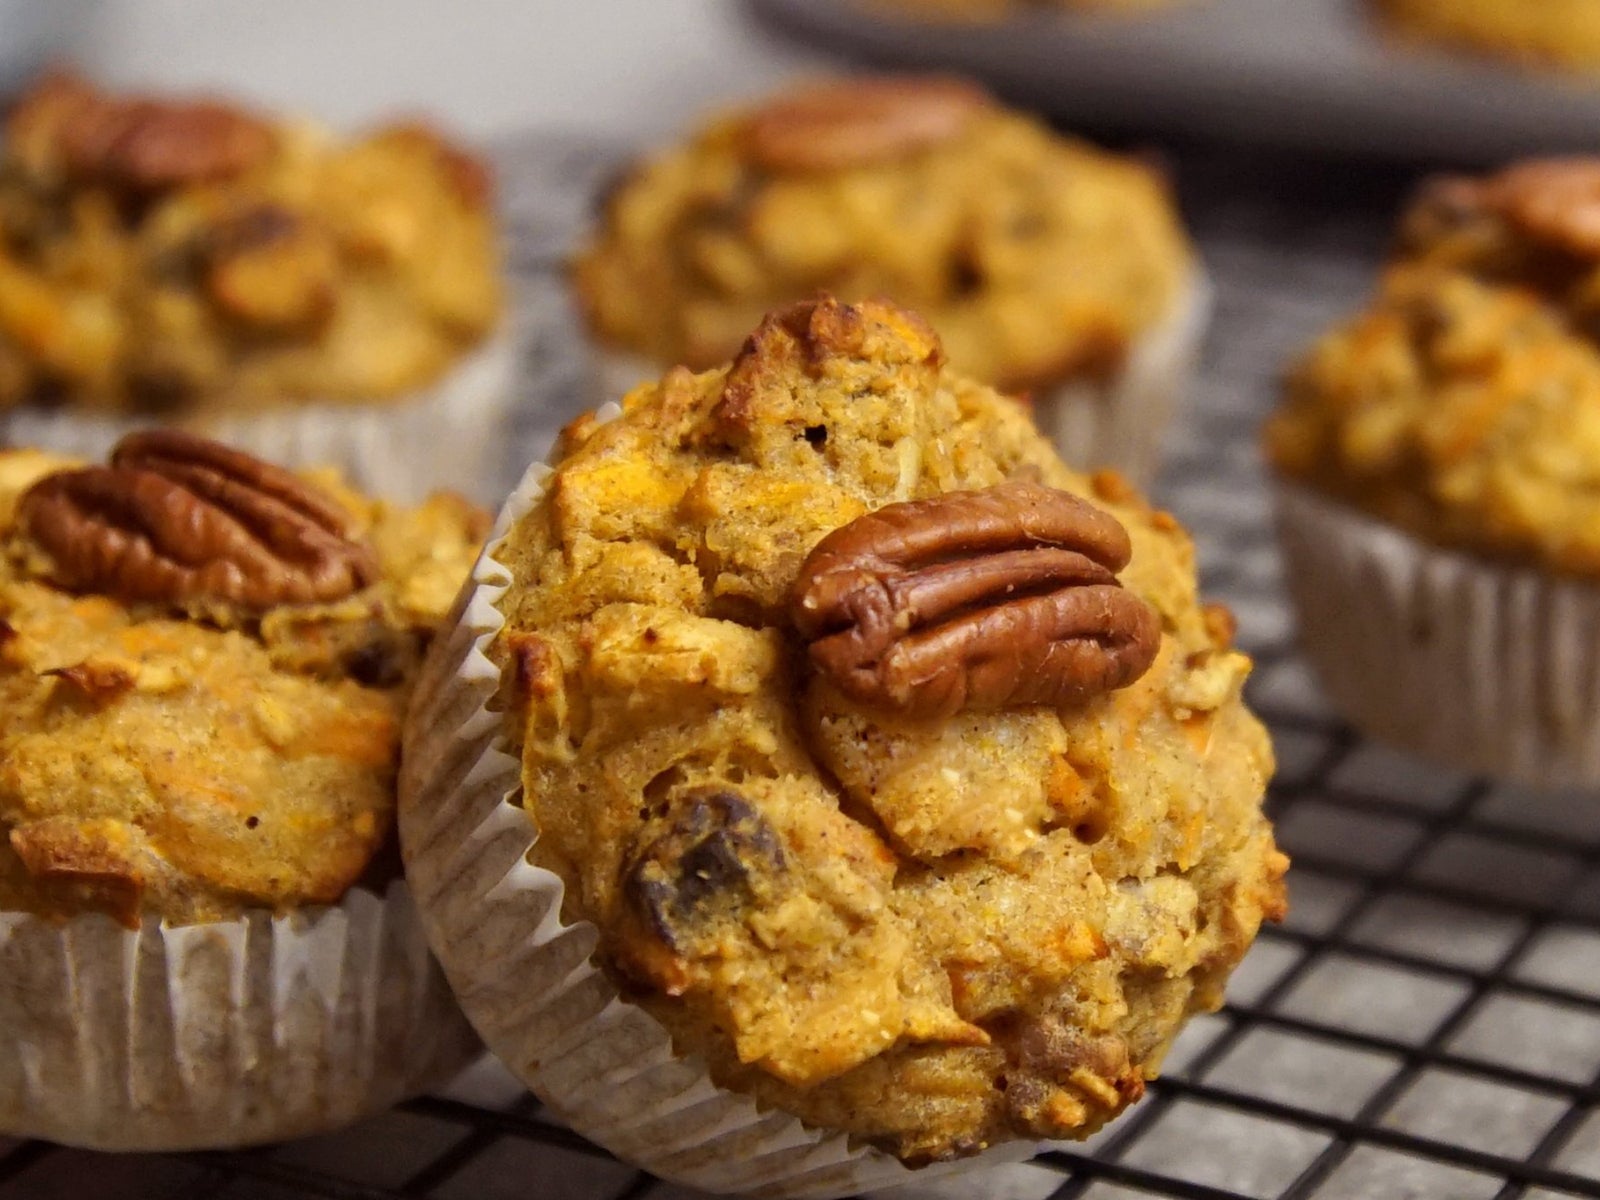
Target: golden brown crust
{"type": "Point", "coordinates": [935, 934]}
{"type": "Point", "coordinates": [186, 767]}
{"type": "Point", "coordinates": [160, 254]}
{"type": "Point", "coordinates": [1464, 404]}
{"type": "Point", "coordinates": [1036, 257]}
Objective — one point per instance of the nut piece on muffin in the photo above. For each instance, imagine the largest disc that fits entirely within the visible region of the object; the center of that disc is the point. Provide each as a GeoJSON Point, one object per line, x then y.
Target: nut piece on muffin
{"type": "Point", "coordinates": [902, 772]}
{"type": "Point", "coordinates": [1047, 266]}
{"type": "Point", "coordinates": [158, 255]}
{"type": "Point", "coordinates": [203, 663]}
{"type": "Point", "coordinates": [1446, 444]}
{"type": "Point", "coordinates": [1549, 33]}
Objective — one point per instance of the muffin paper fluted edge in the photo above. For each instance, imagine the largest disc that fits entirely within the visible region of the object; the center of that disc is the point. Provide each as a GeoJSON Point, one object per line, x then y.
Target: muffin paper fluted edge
{"type": "Point", "coordinates": [222, 1034]}
{"type": "Point", "coordinates": [1120, 422]}
{"type": "Point", "coordinates": [1469, 663]}
{"type": "Point", "coordinates": [1115, 422]}
{"type": "Point", "coordinates": [526, 977]}
{"type": "Point", "coordinates": [452, 434]}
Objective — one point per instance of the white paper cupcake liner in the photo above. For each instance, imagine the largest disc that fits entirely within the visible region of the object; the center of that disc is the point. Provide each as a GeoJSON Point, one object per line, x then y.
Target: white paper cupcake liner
{"type": "Point", "coordinates": [1468, 663]}
{"type": "Point", "coordinates": [1119, 422]}
{"type": "Point", "coordinates": [224, 1034]}
{"type": "Point", "coordinates": [525, 976]}
{"type": "Point", "coordinates": [451, 435]}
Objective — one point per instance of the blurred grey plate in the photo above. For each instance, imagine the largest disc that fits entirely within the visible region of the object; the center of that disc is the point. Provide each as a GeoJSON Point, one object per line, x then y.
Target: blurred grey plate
{"type": "Point", "coordinates": [1308, 73]}
{"type": "Point", "coordinates": [32, 32]}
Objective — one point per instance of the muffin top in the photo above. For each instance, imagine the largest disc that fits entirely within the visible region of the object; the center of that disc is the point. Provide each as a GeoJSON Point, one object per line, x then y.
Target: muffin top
{"type": "Point", "coordinates": [1560, 33]}
{"type": "Point", "coordinates": [1036, 257]}
{"type": "Point", "coordinates": [157, 254]}
{"type": "Point", "coordinates": [203, 666]}
{"type": "Point", "coordinates": [1464, 404]}
{"type": "Point", "coordinates": [903, 774]}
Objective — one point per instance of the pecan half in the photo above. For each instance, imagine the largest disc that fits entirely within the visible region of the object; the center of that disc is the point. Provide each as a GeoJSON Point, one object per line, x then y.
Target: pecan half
{"type": "Point", "coordinates": [845, 123]}
{"type": "Point", "coordinates": [1006, 596]}
{"type": "Point", "coordinates": [133, 142]}
{"type": "Point", "coordinates": [1554, 201]}
{"type": "Point", "coordinates": [179, 519]}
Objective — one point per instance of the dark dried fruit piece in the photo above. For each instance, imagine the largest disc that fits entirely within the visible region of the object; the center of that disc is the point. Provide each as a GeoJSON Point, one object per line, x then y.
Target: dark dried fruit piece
{"type": "Point", "coordinates": [715, 859]}
{"type": "Point", "coordinates": [178, 519]}
{"type": "Point", "coordinates": [1058, 1066]}
{"type": "Point", "coordinates": [988, 599]}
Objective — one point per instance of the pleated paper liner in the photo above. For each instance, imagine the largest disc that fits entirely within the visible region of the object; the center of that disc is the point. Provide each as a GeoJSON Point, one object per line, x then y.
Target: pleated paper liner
{"type": "Point", "coordinates": [451, 435]}
{"type": "Point", "coordinates": [1466, 662]}
{"type": "Point", "coordinates": [223, 1034]}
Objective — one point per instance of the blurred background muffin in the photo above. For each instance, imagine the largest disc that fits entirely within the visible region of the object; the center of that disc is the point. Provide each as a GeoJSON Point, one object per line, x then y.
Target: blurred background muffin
{"type": "Point", "coordinates": [1441, 453]}
{"type": "Point", "coordinates": [203, 664]}
{"type": "Point", "coordinates": [1561, 33]}
{"type": "Point", "coordinates": [1048, 267]}
{"type": "Point", "coordinates": [189, 261]}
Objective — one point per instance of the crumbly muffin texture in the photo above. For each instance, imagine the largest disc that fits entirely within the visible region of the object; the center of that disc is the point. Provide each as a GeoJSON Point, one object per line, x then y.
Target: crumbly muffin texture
{"type": "Point", "coordinates": [1464, 404]}
{"type": "Point", "coordinates": [154, 763]}
{"type": "Point", "coordinates": [1036, 257]}
{"type": "Point", "coordinates": [159, 254]}
{"type": "Point", "coordinates": [933, 934]}
{"type": "Point", "coordinates": [1563, 33]}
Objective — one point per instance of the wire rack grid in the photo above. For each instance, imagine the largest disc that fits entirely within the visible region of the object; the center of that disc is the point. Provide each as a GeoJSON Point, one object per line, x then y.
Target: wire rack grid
{"type": "Point", "coordinates": [1425, 1024]}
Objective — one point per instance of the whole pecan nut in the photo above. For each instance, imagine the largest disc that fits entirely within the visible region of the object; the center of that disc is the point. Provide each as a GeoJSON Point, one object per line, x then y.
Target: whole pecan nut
{"type": "Point", "coordinates": [975, 600]}
{"type": "Point", "coordinates": [844, 123]}
{"type": "Point", "coordinates": [179, 519]}
{"type": "Point", "coordinates": [1553, 201]}
{"type": "Point", "coordinates": [135, 143]}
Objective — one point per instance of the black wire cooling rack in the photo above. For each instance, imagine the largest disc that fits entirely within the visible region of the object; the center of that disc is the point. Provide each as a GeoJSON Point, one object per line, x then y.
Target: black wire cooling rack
{"type": "Point", "coordinates": [1425, 1024]}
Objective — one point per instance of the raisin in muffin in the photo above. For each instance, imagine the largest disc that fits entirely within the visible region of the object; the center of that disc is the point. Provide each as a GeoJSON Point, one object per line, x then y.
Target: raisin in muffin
{"type": "Point", "coordinates": [1560, 33]}
{"type": "Point", "coordinates": [203, 663]}
{"type": "Point", "coordinates": [1439, 454]}
{"type": "Point", "coordinates": [890, 769]}
{"type": "Point", "coordinates": [1047, 266]}
{"type": "Point", "coordinates": [192, 262]}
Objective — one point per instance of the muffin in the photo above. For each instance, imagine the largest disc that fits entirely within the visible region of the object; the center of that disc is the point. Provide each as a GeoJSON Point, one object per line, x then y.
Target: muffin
{"type": "Point", "coordinates": [204, 939]}
{"type": "Point", "coordinates": [1049, 268]}
{"type": "Point", "coordinates": [1559, 33]}
{"type": "Point", "coordinates": [312, 299]}
{"type": "Point", "coordinates": [1439, 456]}
{"type": "Point", "coordinates": [824, 780]}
